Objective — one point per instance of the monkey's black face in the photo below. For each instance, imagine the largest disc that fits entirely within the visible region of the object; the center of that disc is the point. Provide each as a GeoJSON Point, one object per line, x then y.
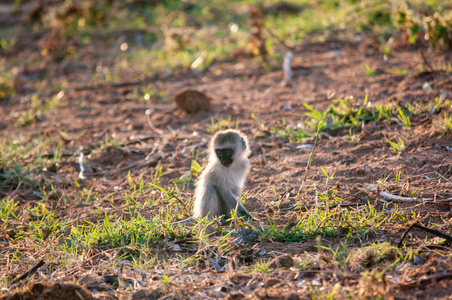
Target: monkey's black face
{"type": "Point", "coordinates": [225, 156]}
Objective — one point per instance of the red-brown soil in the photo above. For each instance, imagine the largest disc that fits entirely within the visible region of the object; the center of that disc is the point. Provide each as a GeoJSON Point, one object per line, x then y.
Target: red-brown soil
{"type": "Point", "coordinates": [91, 113]}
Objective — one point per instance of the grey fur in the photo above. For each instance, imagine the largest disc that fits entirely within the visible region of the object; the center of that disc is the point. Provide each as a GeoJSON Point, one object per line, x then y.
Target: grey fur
{"type": "Point", "coordinates": [219, 188]}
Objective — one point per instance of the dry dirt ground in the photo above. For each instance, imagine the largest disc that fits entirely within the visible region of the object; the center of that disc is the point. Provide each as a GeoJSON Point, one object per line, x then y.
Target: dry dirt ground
{"type": "Point", "coordinates": [91, 113]}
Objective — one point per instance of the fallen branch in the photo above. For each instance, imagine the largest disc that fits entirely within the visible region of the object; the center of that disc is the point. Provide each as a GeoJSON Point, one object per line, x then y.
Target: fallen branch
{"type": "Point", "coordinates": [392, 197]}
{"type": "Point", "coordinates": [115, 85]}
{"type": "Point", "coordinates": [29, 272]}
{"type": "Point", "coordinates": [435, 279]}
{"type": "Point", "coordinates": [432, 231]}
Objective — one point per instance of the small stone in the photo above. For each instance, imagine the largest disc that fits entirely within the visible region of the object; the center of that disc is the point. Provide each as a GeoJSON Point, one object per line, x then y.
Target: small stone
{"type": "Point", "coordinates": [445, 95]}
{"type": "Point", "coordinates": [417, 260]}
{"type": "Point", "coordinates": [426, 86]}
{"type": "Point", "coordinates": [112, 280]}
{"type": "Point", "coordinates": [329, 122]}
{"type": "Point", "coordinates": [245, 236]}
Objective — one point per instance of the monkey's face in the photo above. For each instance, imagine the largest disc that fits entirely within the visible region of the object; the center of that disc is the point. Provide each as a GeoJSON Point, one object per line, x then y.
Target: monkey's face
{"type": "Point", "coordinates": [225, 156]}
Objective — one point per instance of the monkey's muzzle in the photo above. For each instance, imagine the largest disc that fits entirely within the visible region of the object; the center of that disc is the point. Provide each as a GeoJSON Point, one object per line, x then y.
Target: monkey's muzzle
{"type": "Point", "coordinates": [226, 161]}
{"type": "Point", "coordinates": [225, 156]}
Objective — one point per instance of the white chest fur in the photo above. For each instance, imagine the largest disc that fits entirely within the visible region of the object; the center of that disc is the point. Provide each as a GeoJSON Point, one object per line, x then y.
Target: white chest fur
{"type": "Point", "coordinates": [234, 177]}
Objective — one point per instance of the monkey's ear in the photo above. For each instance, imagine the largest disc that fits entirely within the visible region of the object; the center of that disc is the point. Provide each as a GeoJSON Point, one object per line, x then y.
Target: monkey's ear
{"type": "Point", "coordinates": [243, 143]}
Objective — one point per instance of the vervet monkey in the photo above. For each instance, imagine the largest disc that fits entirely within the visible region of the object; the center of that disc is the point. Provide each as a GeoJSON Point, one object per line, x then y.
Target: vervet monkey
{"type": "Point", "coordinates": [219, 187]}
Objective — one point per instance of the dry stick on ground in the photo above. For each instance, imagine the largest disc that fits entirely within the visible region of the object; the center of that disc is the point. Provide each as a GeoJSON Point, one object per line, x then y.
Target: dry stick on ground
{"type": "Point", "coordinates": [443, 177]}
{"type": "Point", "coordinates": [352, 205]}
{"type": "Point", "coordinates": [389, 196]}
{"type": "Point", "coordinates": [285, 195]}
{"type": "Point", "coordinates": [392, 197]}
{"type": "Point", "coordinates": [184, 205]}
{"type": "Point", "coordinates": [435, 279]}
{"type": "Point", "coordinates": [29, 272]}
{"type": "Point", "coordinates": [144, 139]}
{"type": "Point", "coordinates": [432, 231]}
{"type": "Point", "coordinates": [148, 113]}
{"type": "Point", "coordinates": [309, 160]}
{"type": "Point", "coordinates": [114, 85]}
{"type": "Point", "coordinates": [424, 59]}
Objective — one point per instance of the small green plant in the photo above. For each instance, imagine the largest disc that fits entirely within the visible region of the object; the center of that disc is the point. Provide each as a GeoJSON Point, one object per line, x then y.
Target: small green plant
{"type": "Point", "coordinates": [260, 125]}
{"type": "Point", "coordinates": [188, 178]}
{"type": "Point", "coordinates": [167, 282]}
{"type": "Point", "coordinates": [262, 267]}
{"type": "Point", "coordinates": [400, 72]}
{"type": "Point", "coordinates": [150, 92]}
{"type": "Point", "coordinates": [435, 28]}
{"type": "Point", "coordinates": [38, 109]}
{"type": "Point", "coordinates": [385, 112]}
{"type": "Point", "coordinates": [195, 168]}
{"type": "Point", "coordinates": [221, 124]}
{"type": "Point", "coordinates": [446, 125]}
{"type": "Point", "coordinates": [398, 174]}
{"type": "Point", "coordinates": [369, 70]}
{"type": "Point", "coordinates": [387, 46]}
{"type": "Point", "coordinates": [354, 138]}
{"type": "Point", "coordinates": [7, 44]}
{"type": "Point", "coordinates": [438, 30]}
{"type": "Point", "coordinates": [398, 146]}
{"type": "Point", "coordinates": [328, 177]}
{"type": "Point", "coordinates": [403, 118]}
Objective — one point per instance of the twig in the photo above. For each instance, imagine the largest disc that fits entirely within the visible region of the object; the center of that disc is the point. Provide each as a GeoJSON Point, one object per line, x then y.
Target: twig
{"type": "Point", "coordinates": [29, 272]}
{"type": "Point", "coordinates": [424, 59]}
{"type": "Point", "coordinates": [432, 231]}
{"type": "Point", "coordinates": [389, 196]}
{"type": "Point", "coordinates": [404, 235]}
{"type": "Point", "coordinates": [435, 279]}
{"type": "Point", "coordinates": [148, 117]}
{"type": "Point", "coordinates": [184, 205]}
{"type": "Point", "coordinates": [285, 195]}
{"type": "Point", "coordinates": [287, 70]}
{"type": "Point", "coordinates": [116, 85]}
{"type": "Point", "coordinates": [52, 155]}
{"type": "Point", "coordinates": [144, 139]}
{"type": "Point", "coordinates": [82, 168]}
{"type": "Point", "coordinates": [443, 177]}
{"type": "Point", "coordinates": [264, 157]}
{"type": "Point", "coordinates": [309, 160]}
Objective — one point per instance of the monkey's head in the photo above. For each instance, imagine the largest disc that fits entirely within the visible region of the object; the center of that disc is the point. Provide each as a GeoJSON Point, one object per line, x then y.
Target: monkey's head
{"type": "Point", "coordinates": [229, 145]}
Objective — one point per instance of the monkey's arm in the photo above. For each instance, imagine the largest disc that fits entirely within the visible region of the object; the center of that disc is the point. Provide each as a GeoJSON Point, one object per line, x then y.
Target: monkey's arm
{"type": "Point", "coordinates": [231, 202]}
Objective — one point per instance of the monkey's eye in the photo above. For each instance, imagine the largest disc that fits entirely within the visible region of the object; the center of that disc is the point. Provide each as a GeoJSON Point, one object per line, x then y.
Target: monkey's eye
{"type": "Point", "coordinates": [227, 152]}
